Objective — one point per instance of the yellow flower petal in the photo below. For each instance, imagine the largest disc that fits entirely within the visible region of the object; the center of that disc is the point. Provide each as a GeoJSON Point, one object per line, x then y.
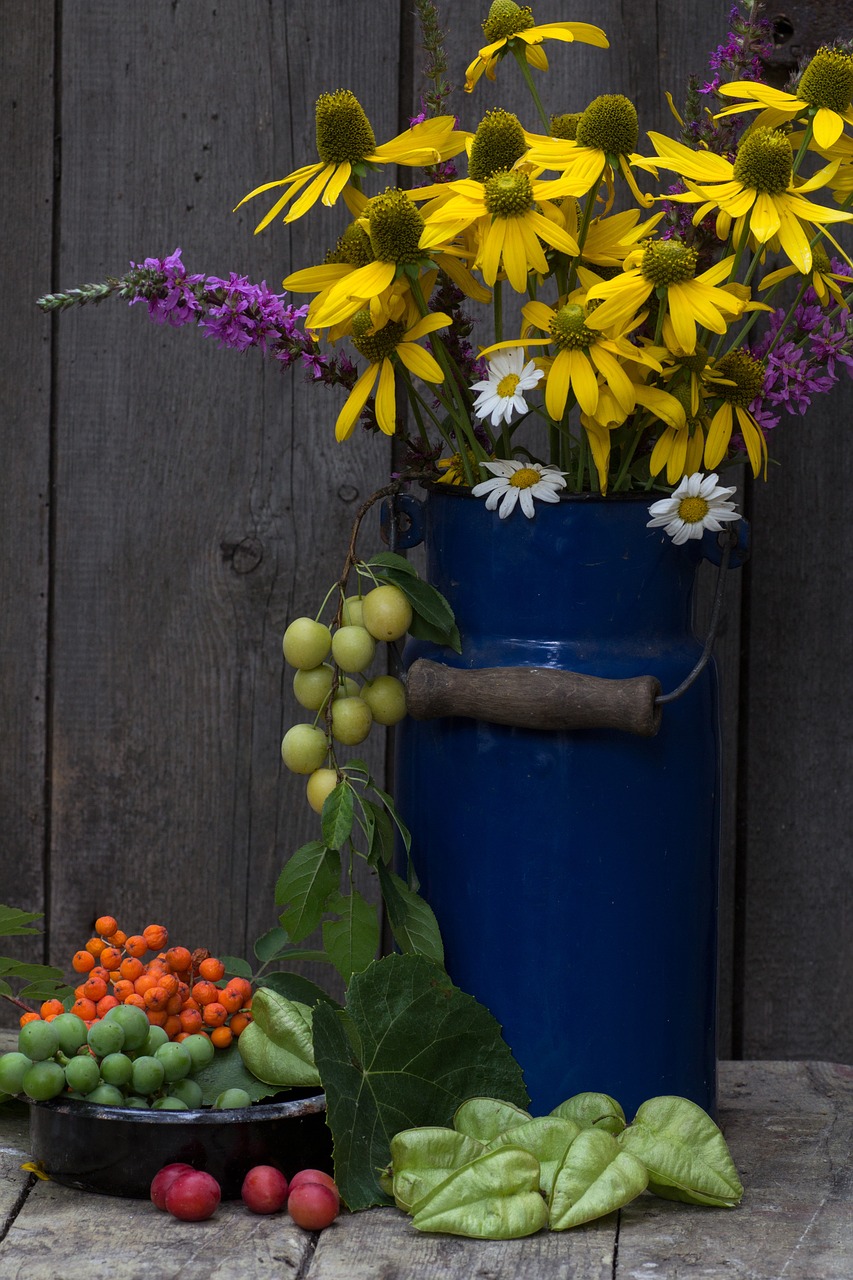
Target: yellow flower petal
{"type": "Point", "coordinates": [355, 402]}
{"type": "Point", "coordinates": [386, 399]}
{"type": "Point", "coordinates": [419, 362]}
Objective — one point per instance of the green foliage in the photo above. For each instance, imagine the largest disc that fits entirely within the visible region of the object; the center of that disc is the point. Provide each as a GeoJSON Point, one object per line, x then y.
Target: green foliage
{"type": "Point", "coordinates": [32, 981]}
{"type": "Point", "coordinates": [408, 1048]}
{"type": "Point", "coordinates": [277, 1045]}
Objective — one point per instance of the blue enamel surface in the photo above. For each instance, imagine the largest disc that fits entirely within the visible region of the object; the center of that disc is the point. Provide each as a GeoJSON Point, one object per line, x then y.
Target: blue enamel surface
{"type": "Point", "coordinates": [574, 875]}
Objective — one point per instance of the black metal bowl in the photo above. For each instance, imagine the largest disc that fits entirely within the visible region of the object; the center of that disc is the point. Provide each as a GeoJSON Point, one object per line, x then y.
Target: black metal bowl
{"type": "Point", "coordinates": [117, 1151]}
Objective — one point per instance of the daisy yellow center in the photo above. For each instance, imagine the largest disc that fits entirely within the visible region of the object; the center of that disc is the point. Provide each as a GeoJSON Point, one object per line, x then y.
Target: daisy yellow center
{"type": "Point", "coordinates": [508, 195]}
{"type": "Point", "coordinates": [765, 162]}
{"type": "Point", "coordinates": [395, 226]}
{"type": "Point", "coordinates": [377, 346]}
{"type": "Point", "coordinates": [609, 124]}
{"type": "Point", "coordinates": [497, 144]}
{"type": "Point", "coordinates": [568, 329]}
{"type": "Point", "coordinates": [506, 19]}
{"type": "Point", "coordinates": [693, 510]}
{"type": "Point", "coordinates": [828, 80]}
{"type": "Point", "coordinates": [506, 386]}
{"type": "Point", "coordinates": [524, 478]}
{"type": "Point", "coordinates": [566, 125]}
{"type": "Point", "coordinates": [668, 262]}
{"type": "Point", "coordinates": [343, 130]}
{"type": "Point", "coordinates": [746, 373]}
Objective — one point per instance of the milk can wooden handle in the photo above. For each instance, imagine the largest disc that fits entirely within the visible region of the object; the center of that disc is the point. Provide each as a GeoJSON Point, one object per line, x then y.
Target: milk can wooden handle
{"type": "Point", "coordinates": [533, 697]}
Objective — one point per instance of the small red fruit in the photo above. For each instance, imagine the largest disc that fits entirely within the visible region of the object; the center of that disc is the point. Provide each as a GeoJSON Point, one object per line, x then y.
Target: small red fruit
{"type": "Point", "coordinates": [264, 1189]}
{"type": "Point", "coordinates": [314, 1175]}
{"type": "Point", "coordinates": [193, 1196]}
{"type": "Point", "coordinates": [164, 1179]}
{"type": "Point", "coordinates": [313, 1205]}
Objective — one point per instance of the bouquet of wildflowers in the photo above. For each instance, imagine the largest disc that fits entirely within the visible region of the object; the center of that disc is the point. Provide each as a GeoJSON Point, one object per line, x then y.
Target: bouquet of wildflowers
{"type": "Point", "coordinates": [672, 304]}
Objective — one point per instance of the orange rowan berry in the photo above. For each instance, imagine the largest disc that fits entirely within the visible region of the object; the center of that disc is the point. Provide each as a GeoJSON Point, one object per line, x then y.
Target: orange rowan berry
{"type": "Point", "coordinates": [211, 969]}
{"type": "Point", "coordinates": [117, 939]}
{"type": "Point", "coordinates": [131, 968]}
{"type": "Point", "coordinates": [98, 971]}
{"type": "Point", "coordinates": [82, 961]}
{"type": "Point", "coordinates": [168, 982]}
{"type": "Point", "coordinates": [221, 1037]}
{"type": "Point", "coordinates": [110, 959]}
{"type": "Point", "coordinates": [29, 1017]}
{"type": "Point", "coordinates": [174, 1004]}
{"type": "Point", "coordinates": [85, 1009]}
{"type": "Point", "coordinates": [144, 983]}
{"type": "Point", "coordinates": [156, 998]}
{"type": "Point", "coordinates": [136, 946]}
{"type": "Point", "coordinates": [122, 989]}
{"type": "Point", "coordinates": [94, 988]}
{"type": "Point", "coordinates": [172, 1026]}
{"type": "Point", "coordinates": [156, 936]}
{"type": "Point", "coordinates": [178, 959]}
{"type": "Point", "coordinates": [232, 998]}
{"type": "Point", "coordinates": [79, 992]}
{"type": "Point", "coordinates": [191, 1021]}
{"type": "Point", "coordinates": [95, 946]}
{"type": "Point", "coordinates": [51, 1008]}
{"type": "Point", "coordinates": [205, 992]}
{"type": "Point", "coordinates": [239, 1022]}
{"type": "Point", "coordinates": [105, 1004]}
{"type": "Point", "coordinates": [215, 1014]}
{"type": "Point", "coordinates": [190, 1003]}
{"type": "Point", "coordinates": [105, 925]}
{"type": "Point", "coordinates": [157, 1017]}
{"type": "Point", "coordinates": [183, 992]}
{"type": "Point", "coordinates": [242, 984]}
{"type": "Point", "coordinates": [135, 998]}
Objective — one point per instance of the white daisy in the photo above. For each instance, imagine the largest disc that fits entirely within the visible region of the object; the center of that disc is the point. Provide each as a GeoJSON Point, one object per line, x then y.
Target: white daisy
{"type": "Point", "coordinates": [698, 503]}
{"type": "Point", "coordinates": [500, 393]}
{"type": "Point", "coordinates": [519, 482]}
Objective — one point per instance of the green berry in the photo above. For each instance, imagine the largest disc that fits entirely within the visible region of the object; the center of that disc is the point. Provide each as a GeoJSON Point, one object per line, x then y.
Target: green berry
{"type": "Point", "coordinates": [13, 1068]}
{"type": "Point", "coordinates": [82, 1073]}
{"type": "Point", "coordinates": [38, 1040]}
{"type": "Point", "coordinates": [43, 1080]}
{"type": "Point", "coordinates": [105, 1038]}
{"type": "Point", "coordinates": [231, 1098]}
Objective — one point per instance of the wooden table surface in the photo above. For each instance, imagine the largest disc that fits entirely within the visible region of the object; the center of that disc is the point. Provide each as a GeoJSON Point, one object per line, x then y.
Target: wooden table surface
{"type": "Point", "coordinates": [789, 1126]}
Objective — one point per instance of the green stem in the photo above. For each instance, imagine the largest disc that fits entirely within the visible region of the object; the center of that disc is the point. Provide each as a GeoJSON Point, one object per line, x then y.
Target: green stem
{"type": "Point", "coordinates": [519, 51]}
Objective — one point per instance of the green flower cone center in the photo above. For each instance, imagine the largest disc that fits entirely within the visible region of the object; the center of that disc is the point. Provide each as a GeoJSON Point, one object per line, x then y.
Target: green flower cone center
{"type": "Point", "coordinates": [828, 80]}
{"type": "Point", "coordinates": [668, 262]}
{"type": "Point", "coordinates": [375, 347]}
{"type": "Point", "coordinates": [498, 143]}
{"type": "Point", "coordinates": [697, 361]}
{"type": "Point", "coordinates": [609, 124]}
{"type": "Point", "coordinates": [343, 130]}
{"type": "Point", "coordinates": [506, 386]}
{"type": "Point", "coordinates": [566, 125]}
{"type": "Point", "coordinates": [746, 373]}
{"type": "Point", "coordinates": [820, 261]}
{"type": "Point", "coordinates": [568, 328]}
{"type": "Point", "coordinates": [508, 194]}
{"type": "Point", "coordinates": [353, 247]}
{"type": "Point", "coordinates": [524, 478]}
{"type": "Point", "coordinates": [693, 510]}
{"type": "Point", "coordinates": [765, 162]}
{"type": "Point", "coordinates": [506, 19]}
{"type": "Point", "coordinates": [396, 226]}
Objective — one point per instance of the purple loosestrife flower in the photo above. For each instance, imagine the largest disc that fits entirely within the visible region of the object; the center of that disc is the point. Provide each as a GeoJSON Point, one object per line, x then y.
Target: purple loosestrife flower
{"type": "Point", "coordinates": [170, 293]}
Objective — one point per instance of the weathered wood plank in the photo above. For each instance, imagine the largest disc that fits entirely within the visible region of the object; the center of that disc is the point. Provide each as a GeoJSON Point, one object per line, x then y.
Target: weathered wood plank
{"type": "Point", "coordinates": [26, 217]}
{"type": "Point", "coordinates": [790, 1129]}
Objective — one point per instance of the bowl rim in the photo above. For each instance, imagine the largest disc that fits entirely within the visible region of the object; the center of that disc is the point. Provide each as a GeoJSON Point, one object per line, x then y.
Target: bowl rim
{"type": "Point", "coordinates": [291, 1108]}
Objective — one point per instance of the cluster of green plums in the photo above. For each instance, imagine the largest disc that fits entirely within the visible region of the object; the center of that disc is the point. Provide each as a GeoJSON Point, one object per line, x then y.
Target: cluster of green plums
{"type": "Point", "coordinates": [119, 1061]}
{"type": "Point", "coordinates": [383, 614]}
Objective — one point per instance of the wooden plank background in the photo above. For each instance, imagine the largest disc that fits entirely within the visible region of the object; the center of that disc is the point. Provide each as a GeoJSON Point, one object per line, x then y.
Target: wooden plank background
{"type": "Point", "coordinates": [168, 507]}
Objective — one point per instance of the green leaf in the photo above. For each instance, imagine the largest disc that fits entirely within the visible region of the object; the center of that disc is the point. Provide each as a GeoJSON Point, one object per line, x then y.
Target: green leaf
{"type": "Point", "coordinates": [422, 1158]}
{"type": "Point", "coordinates": [408, 1049]}
{"type": "Point", "coordinates": [495, 1197]}
{"type": "Point", "coordinates": [271, 944]}
{"type": "Point", "coordinates": [596, 1178]}
{"type": "Point", "coordinates": [293, 986]}
{"type": "Point", "coordinates": [390, 560]}
{"type": "Point", "coordinates": [412, 920]}
{"type": "Point", "coordinates": [351, 940]}
{"type": "Point", "coordinates": [420, 629]}
{"type": "Point", "coordinates": [684, 1151]}
{"type": "Point", "coordinates": [277, 1045]}
{"type": "Point", "coordinates": [228, 1071]}
{"type": "Point", "coordinates": [388, 801]}
{"type": "Point", "coordinates": [487, 1118]}
{"type": "Point", "coordinates": [548, 1138]}
{"type": "Point", "coordinates": [237, 966]}
{"type": "Point", "coordinates": [379, 830]}
{"type": "Point", "coordinates": [310, 876]}
{"type": "Point", "coordinates": [15, 923]}
{"type": "Point", "coordinates": [593, 1111]}
{"type": "Point", "coordinates": [338, 815]}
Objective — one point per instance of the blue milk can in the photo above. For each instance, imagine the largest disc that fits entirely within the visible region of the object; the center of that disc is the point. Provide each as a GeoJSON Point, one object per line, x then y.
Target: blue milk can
{"type": "Point", "coordinates": [574, 873]}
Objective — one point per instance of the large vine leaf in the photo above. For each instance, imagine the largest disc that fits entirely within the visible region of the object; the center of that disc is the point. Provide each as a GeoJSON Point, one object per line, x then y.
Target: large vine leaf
{"type": "Point", "coordinates": [684, 1151]}
{"type": "Point", "coordinates": [406, 1051]}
